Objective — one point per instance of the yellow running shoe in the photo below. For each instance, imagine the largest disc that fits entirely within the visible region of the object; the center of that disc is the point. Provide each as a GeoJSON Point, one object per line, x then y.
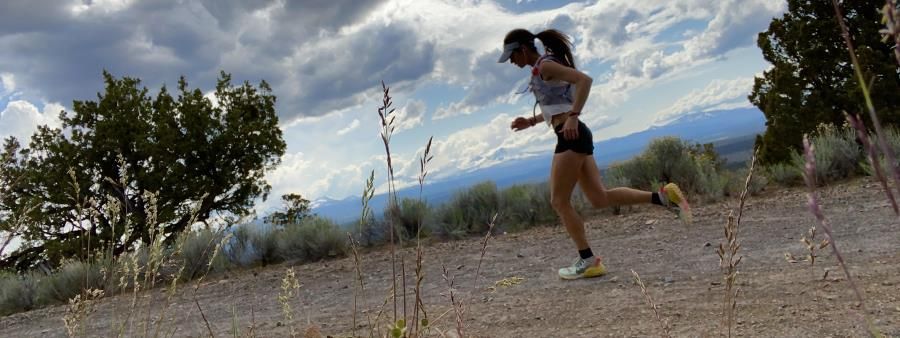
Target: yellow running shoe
{"type": "Point", "coordinates": [673, 199]}
{"type": "Point", "coordinates": [583, 268]}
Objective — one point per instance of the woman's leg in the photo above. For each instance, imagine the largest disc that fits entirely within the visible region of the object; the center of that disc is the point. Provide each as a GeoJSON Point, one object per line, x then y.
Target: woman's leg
{"type": "Point", "coordinates": [564, 173]}
{"type": "Point", "coordinates": [592, 185]}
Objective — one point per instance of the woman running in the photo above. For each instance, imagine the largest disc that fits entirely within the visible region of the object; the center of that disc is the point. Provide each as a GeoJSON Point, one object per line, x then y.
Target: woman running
{"type": "Point", "coordinates": [561, 91]}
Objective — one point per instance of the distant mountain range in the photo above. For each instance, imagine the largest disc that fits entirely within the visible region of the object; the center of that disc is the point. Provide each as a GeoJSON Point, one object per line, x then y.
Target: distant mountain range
{"type": "Point", "coordinates": [731, 131]}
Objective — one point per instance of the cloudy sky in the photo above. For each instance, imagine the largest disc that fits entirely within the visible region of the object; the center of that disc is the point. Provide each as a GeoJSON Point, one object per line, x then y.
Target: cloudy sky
{"type": "Point", "coordinates": [651, 60]}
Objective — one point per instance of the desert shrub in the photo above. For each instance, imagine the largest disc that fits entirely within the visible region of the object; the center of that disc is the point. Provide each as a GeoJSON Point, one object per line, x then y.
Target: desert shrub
{"type": "Point", "coordinates": [666, 159]}
{"type": "Point", "coordinates": [528, 205]}
{"type": "Point", "coordinates": [616, 177]}
{"type": "Point", "coordinates": [449, 222]}
{"type": "Point", "coordinates": [516, 207]}
{"type": "Point", "coordinates": [368, 232]}
{"type": "Point", "coordinates": [784, 174]}
{"type": "Point", "coordinates": [836, 151]}
{"type": "Point", "coordinates": [892, 136]}
{"type": "Point", "coordinates": [540, 201]}
{"type": "Point", "coordinates": [198, 253]}
{"type": "Point", "coordinates": [470, 209]}
{"type": "Point", "coordinates": [311, 239]}
{"type": "Point", "coordinates": [18, 292]}
{"type": "Point", "coordinates": [712, 182]}
{"type": "Point", "coordinates": [253, 244]}
{"type": "Point", "coordinates": [738, 178]}
{"type": "Point", "coordinates": [68, 281]}
{"type": "Point", "coordinates": [408, 217]}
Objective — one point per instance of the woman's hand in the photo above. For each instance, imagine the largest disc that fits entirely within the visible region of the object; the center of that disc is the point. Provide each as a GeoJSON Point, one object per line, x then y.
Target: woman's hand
{"type": "Point", "coordinates": [570, 128]}
{"type": "Point", "coordinates": [521, 123]}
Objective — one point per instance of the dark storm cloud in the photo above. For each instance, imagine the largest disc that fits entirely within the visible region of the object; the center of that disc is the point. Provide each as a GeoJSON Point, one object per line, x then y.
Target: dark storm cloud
{"type": "Point", "coordinates": [331, 76]}
{"type": "Point", "coordinates": [58, 54]}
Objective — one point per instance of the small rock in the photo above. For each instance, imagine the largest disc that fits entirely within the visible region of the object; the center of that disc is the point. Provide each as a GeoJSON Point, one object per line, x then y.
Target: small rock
{"type": "Point", "coordinates": [650, 222]}
{"type": "Point", "coordinates": [668, 280]}
{"type": "Point", "coordinates": [520, 255]}
{"type": "Point", "coordinates": [708, 244]}
{"type": "Point", "coordinates": [538, 318]}
{"type": "Point", "coordinates": [279, 324]}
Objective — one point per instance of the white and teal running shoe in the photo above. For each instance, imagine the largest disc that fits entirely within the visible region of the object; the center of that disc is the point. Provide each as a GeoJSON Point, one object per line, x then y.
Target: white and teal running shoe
{"type": "Point", "coordinates": [591, 267]}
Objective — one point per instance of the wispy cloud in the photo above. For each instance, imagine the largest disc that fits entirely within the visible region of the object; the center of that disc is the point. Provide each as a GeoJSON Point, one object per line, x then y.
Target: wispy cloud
{"type": "Point", "coordinates": [353, 125]}
{"type": "Point", "coordinates": [718, 94]}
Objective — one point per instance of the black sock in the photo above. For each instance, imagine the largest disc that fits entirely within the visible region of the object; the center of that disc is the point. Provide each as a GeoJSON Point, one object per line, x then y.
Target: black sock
{"type": "Point", "coordinates": [586, 253]}
{"type": "Point", "coordinates": [655, 199]}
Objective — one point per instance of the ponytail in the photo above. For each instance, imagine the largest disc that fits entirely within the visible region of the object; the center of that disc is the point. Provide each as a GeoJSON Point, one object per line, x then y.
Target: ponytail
{"type": "Point", "coordinates": [558, 44]}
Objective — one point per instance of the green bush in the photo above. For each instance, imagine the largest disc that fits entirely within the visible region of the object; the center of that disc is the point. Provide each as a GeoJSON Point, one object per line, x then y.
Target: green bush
{"type": "Point", "coordinates": [712, 182]}
{"type": "Point", "coordinates": [313, 238]}
{"type": "Point", "coordinates": [666, 159]}
{"type": "Point", "coordinates": [449, 222]}
{"type": "Point", "coordinates": [892, 136]}
{"type": "Point", "coordinates": [197, 251]}
{"type": "Point", "coordinates": [784, 174]}
{"type": "Point", "coordinates": [408, 217]}
{"type": "Point", "coordinates": [68, 281]}
{"type": "Point", "coordinates": [836, 151]}
{"type": "Point", "coordinates": [253, 244]}
{"type": "Point", "coordinates": [738, 179]}
{"type": "Point", "coordinates": [368, 232]}
{"type": "Point", "coordinates": [516, 207]}
{"type": "Point", "coordinates": [18, 292]}
{"type": "Point", "coordinates": [469, 211]}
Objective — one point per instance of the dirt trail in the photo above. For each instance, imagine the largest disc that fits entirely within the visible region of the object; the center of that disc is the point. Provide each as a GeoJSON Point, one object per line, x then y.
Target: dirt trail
{"type": "Point", "coordinates": [679, 266]}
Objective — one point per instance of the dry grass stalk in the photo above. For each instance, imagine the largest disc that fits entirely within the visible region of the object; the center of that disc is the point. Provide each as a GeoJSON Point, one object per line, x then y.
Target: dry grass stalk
{"type": "Point", "coordinates": [289, 287]}
{"type": "Point", "coordinates": [891, 20]}
{"type": "Point", "coordinates": [663, 323]}
{"type": "Point", "coordinates": [728, 262]}
{"type": "Point", "coordinates": [457, 305]}
{"type": "Point", "coordinates": [484, 242]}
{"type": "Point", "coordinates": [387, 129]}
{"type": "Point", "coordinates": [420, 276]}
{"type": "Point", "coordinates": [815, 209]}
{"type": "Point", "coordinates": [879, 131]}
{"type": "Point", "coordinates": [728, 255]}
{"type": "Point", "coordinates": [199, 281]}
{"type": "Point", "coordinates": [368, 192]}
{"type": "Point", "coordinates": [808, 240]}
{"type": "Point", "coordinates": [874, 160]}
{"type": "Point", "coordinates": [356, 291]}
{"type": "Point", "coordinates": [78, 309]}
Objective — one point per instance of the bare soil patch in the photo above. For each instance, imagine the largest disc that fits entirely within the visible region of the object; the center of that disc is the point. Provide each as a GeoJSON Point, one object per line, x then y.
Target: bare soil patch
{"type": "Point", "coordinates": [678, 264]}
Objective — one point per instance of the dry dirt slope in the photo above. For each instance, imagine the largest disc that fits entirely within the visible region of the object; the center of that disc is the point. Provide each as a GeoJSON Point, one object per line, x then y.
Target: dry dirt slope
{"type": "Point", "coordinates": [679, 266]}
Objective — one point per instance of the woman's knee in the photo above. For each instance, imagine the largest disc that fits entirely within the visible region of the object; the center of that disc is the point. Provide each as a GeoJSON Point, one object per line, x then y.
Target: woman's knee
{"type": "Point", "coordinates": [560, 203]}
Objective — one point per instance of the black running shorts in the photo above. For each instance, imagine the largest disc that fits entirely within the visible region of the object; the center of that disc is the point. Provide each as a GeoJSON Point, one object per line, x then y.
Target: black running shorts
{"type": "Point", "coordinates": [584, 144]}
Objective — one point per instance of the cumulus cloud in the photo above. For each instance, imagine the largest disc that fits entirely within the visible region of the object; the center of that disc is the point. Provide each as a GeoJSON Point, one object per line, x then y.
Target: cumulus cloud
{"type": "Point", "coordinates": [410, 116]}
{"type": "Point", "coordinates": [718, 94]}
{"type": "Point", "coordinates": [325, 57]}
{"type": "Point", "coordinates": [20, 119]}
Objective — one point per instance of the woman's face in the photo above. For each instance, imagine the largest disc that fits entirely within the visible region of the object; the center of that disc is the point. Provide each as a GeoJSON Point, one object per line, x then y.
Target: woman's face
{"type": "Point", "coordinates": [518, 58]}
